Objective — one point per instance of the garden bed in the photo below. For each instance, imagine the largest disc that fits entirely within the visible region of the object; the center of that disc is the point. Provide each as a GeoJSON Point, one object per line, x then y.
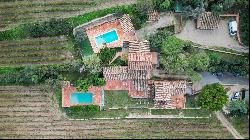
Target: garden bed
{"type": "Point", "coordinates": [165, 111]}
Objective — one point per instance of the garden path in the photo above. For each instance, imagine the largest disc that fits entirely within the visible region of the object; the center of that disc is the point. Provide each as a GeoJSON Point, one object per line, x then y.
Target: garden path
{"type": "Point", "coordinates": [229, 127]}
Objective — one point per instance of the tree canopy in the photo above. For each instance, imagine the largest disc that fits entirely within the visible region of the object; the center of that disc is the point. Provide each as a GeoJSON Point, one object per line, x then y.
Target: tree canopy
{"type": "Point", "coordinates": [92, 64]}
{"type": "Point", "coordinates": [212, 97]}
{"type": "Point", "coordinates": [176, 59]}
{"type": "Point", "coordinates": [106, 55]}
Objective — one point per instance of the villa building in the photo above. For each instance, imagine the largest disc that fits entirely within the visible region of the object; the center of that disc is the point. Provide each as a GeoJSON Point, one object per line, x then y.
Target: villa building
{"type": "Point", "coordinates": [136, 77]}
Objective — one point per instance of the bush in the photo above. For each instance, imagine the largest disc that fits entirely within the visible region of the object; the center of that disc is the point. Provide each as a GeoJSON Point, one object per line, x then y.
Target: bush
{"type": "Point", "coordinates": [238, 108]}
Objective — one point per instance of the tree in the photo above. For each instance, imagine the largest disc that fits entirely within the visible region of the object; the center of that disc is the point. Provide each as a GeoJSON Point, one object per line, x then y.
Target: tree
{"type": "Point", "coordinates": [192, 9]}
{"type": "Point", "coordinates": [106, 55]}
{"type": "Point", "coordinates": [228, 4]}
{"type": "Point", "coordinates": [165, 5]}
{"type": "Point", "coordinates": [217, 9]}
{"type": "Point", "coordinates": [144, 6]}
{"type": "Point", "coordinates": [80, 35]}
{"type": "Point", "coordinates": [212, 97]}
{"type": "Point", "coordinates": [238, 108]}
{"type": "Point", "coordinates": [176, 57]}
{"type": "Point", "coordinates": [92, 64]}
{"type": "Point", "coordinates": [199, 61]}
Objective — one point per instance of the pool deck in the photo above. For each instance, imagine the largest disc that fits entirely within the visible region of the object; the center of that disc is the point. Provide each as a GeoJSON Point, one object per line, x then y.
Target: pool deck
{"type": "Point", "coordinates": [102, 29]}
{"type": "Point", "coordinates": [68, 90]}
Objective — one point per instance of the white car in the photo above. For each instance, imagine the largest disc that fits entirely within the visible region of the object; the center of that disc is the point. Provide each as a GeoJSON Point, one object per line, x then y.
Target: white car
{"type": "Point", "coordinates": [236, 96]}
{"type": "Point", "coordinates": [232, 28]}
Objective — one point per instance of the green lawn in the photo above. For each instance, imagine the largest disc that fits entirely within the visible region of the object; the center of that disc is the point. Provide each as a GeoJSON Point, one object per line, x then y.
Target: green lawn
{"type": "Point", "coordinates": [87, 48]}
{"type": "Point", "coordinates": [241, 124]}
{"type": "Point", "coordinates": [196, 113]}
{"type": "Point", "coordinates": [121, 99]}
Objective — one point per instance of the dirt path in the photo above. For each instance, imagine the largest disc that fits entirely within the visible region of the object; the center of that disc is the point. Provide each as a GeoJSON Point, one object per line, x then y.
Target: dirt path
{"type": "Point", "coordinates": [229, 127]}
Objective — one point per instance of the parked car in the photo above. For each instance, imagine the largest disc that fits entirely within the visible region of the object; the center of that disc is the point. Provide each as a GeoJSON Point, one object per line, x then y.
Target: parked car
{"type": "Point", "coordinates": [219, 74]}
{"type": "Point", "coordinates": [236, 96]}
{"type": "Point", "coordinates": [236, 74]}
{"type": "Point", "coordinates": [232, 28]}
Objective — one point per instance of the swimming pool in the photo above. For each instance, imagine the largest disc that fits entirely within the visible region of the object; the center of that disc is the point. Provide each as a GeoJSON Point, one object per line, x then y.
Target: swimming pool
{"type": "Point", "coordinates": [107, 37]}
{"type": "Point", "coordinates": [81, 98]}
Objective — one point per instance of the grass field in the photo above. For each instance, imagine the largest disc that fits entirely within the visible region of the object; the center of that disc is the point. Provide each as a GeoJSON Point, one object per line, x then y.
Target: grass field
{"type": "Point", "coordinates": [121, 99]}
{"type": "Point", "coordinates": [28, 112]}
{"type": "Point", "coordinates": [241, 124]}
{"type": "Point", "coordinates": [47, 50]}
{"type": "Point", "coordinates": [13, 13]}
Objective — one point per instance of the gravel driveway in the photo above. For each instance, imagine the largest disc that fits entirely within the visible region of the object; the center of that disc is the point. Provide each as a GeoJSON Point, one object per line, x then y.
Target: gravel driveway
{"type": "Point", "coordinates": [217, 37]}
{"type": "Point", "coordinates": [165, 19]}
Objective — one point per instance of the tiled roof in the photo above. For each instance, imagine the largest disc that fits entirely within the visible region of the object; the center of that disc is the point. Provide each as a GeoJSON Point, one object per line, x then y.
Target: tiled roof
{"type": "Point", "coordinates": [127, 24]}
{"type": "Point", "coordinates": [207, 20]}
{"type": "Point", "coordinates": [166, 90]}
{"type": "Point", "coordinates": [153, 15]}
{"type": "Point", "coordinates": [137, 46]}
{"type": "Point", "coordinates": [115, 73]}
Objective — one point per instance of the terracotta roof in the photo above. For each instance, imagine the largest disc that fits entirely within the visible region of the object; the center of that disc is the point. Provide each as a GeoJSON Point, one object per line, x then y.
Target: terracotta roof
{"type": "Point", "coordinates": [207, 20]}
{"type": "Point", "coordinates": [115, 73]}
{"type": "Point", "coordinates": [127, 24]}
{"type": "Point", "coordinates": [139, 46]}
{"type": "Point", "coordinates": [153, 16]}
{"type": "Point", "coordinates": [167, 92]}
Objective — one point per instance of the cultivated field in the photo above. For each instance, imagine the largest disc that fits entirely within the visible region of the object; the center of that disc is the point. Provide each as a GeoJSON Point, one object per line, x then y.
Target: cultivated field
{"type": "Point", "coordinates": [27, 112]}
{"type": "Point", "coordinates": [13, 12]}
{"type": "Point", "coordinates": [46, 50]}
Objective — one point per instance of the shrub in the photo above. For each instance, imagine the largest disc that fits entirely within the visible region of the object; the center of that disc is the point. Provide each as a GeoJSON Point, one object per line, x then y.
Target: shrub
{"type": "Point", "coordinates": [238, 108]}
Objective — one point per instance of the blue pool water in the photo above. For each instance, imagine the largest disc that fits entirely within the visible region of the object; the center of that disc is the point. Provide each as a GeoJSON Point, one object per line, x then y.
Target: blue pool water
{"type": "Point", "coordinates": [81, 98]}
{"type": "Point", "coordinates": [108, 37]}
